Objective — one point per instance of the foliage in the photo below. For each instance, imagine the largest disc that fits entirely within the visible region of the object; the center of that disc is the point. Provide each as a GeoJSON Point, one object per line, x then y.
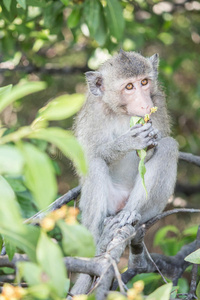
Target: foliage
{"type": "Point", "coordinates": [26, 161]}
{"type": "Point", "coordinates": [38, 38]}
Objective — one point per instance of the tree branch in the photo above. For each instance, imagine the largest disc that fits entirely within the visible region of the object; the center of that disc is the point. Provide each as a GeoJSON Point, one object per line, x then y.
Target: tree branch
{"type": "Point", "coordinates": [30, 68]}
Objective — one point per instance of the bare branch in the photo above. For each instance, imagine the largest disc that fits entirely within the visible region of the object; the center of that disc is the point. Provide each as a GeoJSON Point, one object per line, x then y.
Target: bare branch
{"type": "Point", "coordinates": [30, 68]}
{"type": "Point", "coordinates": [66, 198]}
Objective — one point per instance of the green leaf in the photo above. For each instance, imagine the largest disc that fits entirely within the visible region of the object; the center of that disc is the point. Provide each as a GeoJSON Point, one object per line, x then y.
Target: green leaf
{"type": "Point", "coordinates": [31, 272]}
{"type": "Point", "coordinates": [135, 120]}
{"type": "Point", "coordinates": [37, 3]}
{"type": "Point", "coordinates": [10, 248]}
{"type": "Point", "coordinates": [9, 209]}
{"type": "Point", "coordinates": [198, 291]}
{"type": "Point", "coordinates": [39, 175]}
{"type": "Point", "coordinates": [194, 257]}
{"type": "Point", "coordinates": [19, 91]}
{"type": "Point", "coordinates": [66, 142]}
{"type": "Point", "coordinates": [11, 160]}
{"type": "Point", "coordinates": [74, 18]}
{"type": "Point", "coordinates": [141, 168]}
{"type": "Point", "coordinates": [65, 2]}
{"type": "Point", "coordinates": [100, 35]}
{"type": "Point", "coordinates": [161, 234]}
{"type": "Point", "coordinates": [7, 4]}
{"type": "Point", "coordinates": [62, 107]}
{"type": "Point", "coordinates": [115, 20]}
{"type": "Point", "coordinates": [50, 261]}
{"type": "Point", "coordinates": [92, 15]}
{"type": "Point", "coordinates": [11, 224]}
{"type": "Point", "coordinates": [22, 3]}
{"type": "Point", "coordinates": [77, 240]}
{"type": "Point", "coordinates": [5, 89]}
{"type": "Point", "coordinates": [162, 292]}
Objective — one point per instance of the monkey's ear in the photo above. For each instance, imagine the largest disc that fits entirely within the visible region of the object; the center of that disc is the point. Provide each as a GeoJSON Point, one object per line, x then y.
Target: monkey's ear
{"type": "Point", "coordinates": [95, 82]}
{"type": "Point", "coordinates": [154, 59]}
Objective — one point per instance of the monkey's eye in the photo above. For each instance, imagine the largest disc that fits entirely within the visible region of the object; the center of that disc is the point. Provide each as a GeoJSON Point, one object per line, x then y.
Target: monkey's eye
{"type": "Point", "coordinates": [144, 81]}
{"type": "Point", "coordinates": [129, 86]}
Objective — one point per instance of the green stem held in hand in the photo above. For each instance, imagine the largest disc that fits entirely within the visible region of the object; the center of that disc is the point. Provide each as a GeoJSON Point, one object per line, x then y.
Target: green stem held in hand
{"type": "Point", "coordinates": [142, 153]}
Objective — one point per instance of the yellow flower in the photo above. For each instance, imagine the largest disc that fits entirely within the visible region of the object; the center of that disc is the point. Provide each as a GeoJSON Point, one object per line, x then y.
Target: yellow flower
{"type": "Point", "coordinates": [59, 213]}
{"type": "Point", "coordinates": [146, 118]}
{"type": "Point", "coordinates": [47, 223]}
{"type": "Point", "coordinates": [12, 293]}
{"type": "Point", "coordinates": [73, 211]}
{"type": "Point", "coordinates": [139, 286]}
{"type": "Point", "coordinates": [132, 294]}
{"type": "Point", "coordinates": [80, 297]}
{"type": "Point", "coordinates": [154, 109]}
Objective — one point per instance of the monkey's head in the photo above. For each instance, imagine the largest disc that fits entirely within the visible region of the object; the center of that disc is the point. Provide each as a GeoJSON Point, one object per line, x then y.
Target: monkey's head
{"type": "Point", "coordinates": [126, 83]}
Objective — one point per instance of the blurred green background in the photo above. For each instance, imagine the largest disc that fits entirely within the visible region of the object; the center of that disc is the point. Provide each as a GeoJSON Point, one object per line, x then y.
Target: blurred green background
{"type": "Point", "coordinates": [57, 41]}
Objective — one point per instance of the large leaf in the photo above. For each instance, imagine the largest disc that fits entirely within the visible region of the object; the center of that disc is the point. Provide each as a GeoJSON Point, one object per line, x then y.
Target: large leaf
{"type": "Point", "coordinates": [11, 160]}
{"type": "Point", "coordinates": [22, 3]}
{"type": "Point", "coordinates": [161, 234]}
{"type": "Point", "coordinates": [62, 107]}
{"type": "Point", "coordinates": [11, 224]}
{"type": "Point", "coordinates": [37, 3]}
{"type": "Point", "coordinates": [92, 15]}
{"type": "Point", "coordinates": [77, 240]}
{"type": "Point", "coordinates": [52, 263]}
{"type": "Point", "coordinates": [74, 17]}
{"type": "Point", "coordinates": [101, 34]}
{"type": "Point", "coordinates": [162, 292]}
{"type": "Point", "coordinates": [33, 275]}
{"type": "Point", "coordinates": [19, 91]}
{"type": "Point", "coordinates": [7, 4]}
{"type": "Point", "coordinates": [39, 175]}
{"type": "Point", "coordinates": [194, 257]}
{"type": "Point", "coordinates": [66, 142]}
{"type": "Point", "coordinates": [5, 89]}
{"type": "Point", "coordinates": [114, 18]}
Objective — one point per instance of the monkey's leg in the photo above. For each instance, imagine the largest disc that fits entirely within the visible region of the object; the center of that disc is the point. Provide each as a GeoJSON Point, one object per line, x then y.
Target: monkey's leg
{"type": "Point", "coordinates": [160, 178]}
{"type": "Point", "coordinates": [94, 197]}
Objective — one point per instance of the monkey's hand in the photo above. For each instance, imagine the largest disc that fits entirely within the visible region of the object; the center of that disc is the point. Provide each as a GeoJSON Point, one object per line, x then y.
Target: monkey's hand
{"type": "Point", "coordinates": [139, 137]}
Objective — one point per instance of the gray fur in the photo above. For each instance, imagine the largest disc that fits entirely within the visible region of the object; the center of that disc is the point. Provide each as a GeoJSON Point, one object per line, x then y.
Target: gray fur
{"type": "Point", "coordinates": [102, 127]}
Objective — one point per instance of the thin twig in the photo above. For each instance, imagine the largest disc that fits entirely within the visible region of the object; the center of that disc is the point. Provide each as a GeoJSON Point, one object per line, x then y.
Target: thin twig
{"type": "Point", "coordinates": [153, 262]}
{"type": "Point", "coordinates": [117, 274]}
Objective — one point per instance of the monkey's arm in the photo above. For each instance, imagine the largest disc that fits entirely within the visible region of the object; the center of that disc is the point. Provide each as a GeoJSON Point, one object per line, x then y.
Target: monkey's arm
{"type": "Point", "coordinates": [160, 178]}
{"type": "Point", "coordinates": [138, 137]}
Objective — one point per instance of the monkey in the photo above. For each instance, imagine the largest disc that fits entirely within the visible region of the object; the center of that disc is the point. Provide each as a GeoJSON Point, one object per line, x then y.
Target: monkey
{"type": "Point", "coordinates": [125, 85]}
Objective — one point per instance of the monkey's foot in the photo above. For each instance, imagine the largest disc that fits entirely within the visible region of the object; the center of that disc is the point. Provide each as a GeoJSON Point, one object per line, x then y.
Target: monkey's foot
{"type": "Point", "coordinates": [126, 217]}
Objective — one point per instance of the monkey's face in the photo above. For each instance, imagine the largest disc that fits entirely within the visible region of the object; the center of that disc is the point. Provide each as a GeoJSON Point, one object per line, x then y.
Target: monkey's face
{"type": "Point", "coordinates": [136, 97]}
{"type": "Point", "coordinates": [125, 83]}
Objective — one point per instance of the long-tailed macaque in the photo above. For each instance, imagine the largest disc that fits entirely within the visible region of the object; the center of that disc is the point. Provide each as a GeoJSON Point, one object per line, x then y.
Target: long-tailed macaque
{"type": "Point", "coordinates": [125, 85]}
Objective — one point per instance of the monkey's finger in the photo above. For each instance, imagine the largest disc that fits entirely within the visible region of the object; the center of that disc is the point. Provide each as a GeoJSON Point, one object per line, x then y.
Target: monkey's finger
{"type": "Point", "coordinates": [152, 142]}
{"type": "Point", "coordinates": [138, 130]}
{"type": "Point", "coordinates": [134, 218]}
{"type": "Point", "coordinates": [153, 133]}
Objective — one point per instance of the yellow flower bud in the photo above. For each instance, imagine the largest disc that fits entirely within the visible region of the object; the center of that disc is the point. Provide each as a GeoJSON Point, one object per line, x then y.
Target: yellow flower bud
{"type": "Point", "coordinates": [80, 297]}
{"type": "Point", "coordinates": [47, 223]}
{"type": "Point", "coordinates": [146, 118]}
{"type": "Point", "coordinates": [132, 294]}
{"type": "Point", "coordinates": [139, 286]}
{"type": "Point", "coordinates": [154, 109]}
{"type": "Point", "coordinates": [59, 213]}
